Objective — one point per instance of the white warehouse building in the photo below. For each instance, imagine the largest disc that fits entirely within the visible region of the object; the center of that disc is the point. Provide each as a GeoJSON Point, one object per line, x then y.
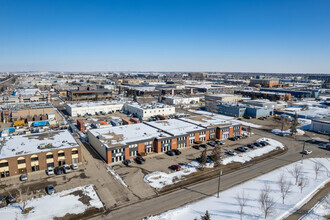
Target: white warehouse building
{"type": "Point", "coordinates": [180, 100]}
{"type": "Point", "coordinates": [321, 125]}
{"type": "Point", "coordinates": [76, 109]}
{"type": "Point", "coordinates": [145, 111]}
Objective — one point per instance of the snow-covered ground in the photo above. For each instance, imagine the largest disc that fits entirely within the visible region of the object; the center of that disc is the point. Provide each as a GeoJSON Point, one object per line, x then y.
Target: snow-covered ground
{"type": "Point", "coordinates": [321, 209]}
{"type": "Point", "coordinates": [310, 112]}
{"type": "Point", "coordinates": [160, 179]}
{"type": "Point", "coordinates": [226, 207]}
{"type": "Point", "coordinates": [287, 132]}
{"type": "Point", "coordinates": [116, 175]}
{"type": "Point", "coordinates": [56, 205]}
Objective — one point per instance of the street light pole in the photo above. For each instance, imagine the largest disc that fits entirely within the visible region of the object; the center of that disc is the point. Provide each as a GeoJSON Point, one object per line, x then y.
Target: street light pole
{"type": "Point", "coordinates": [220, 173]}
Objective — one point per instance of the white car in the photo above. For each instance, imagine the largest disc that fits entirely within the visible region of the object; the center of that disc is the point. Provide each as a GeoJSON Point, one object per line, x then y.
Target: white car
{"type": "Point", "coordinates": [50, 171]}
{"type": "Point", "coordinates": [74, 166]}
{"type": "Point", "coordinates": [307, 152]}
{"type": "Point", "coordinates": [66, 168]}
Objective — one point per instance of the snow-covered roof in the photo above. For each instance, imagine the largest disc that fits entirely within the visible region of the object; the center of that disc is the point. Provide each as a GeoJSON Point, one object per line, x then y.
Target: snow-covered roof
{"type": "Point", "coordinates": [175, 126]}
{"type": "Point", "coordinates": [122, 135]}
{"type": "Point", "coordinates": [13, 146]}
{"type": "Point", "coordinates": [207, 121]}
{"type": "Point", "coordinates": [93, 104]}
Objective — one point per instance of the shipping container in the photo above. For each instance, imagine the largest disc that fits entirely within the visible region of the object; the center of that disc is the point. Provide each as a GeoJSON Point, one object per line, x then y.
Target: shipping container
{"type": "Point", "coordinates": [40, 123]}
{"type": "Point", "coordinates": [114, 123]}
{"type": "Point", "coordinates": [81, 125]}
{"type": "Point", "coordinates": [19, 123]}
{"type": "Point", "coordinates": [162, 117]}
{"type": "Point", "coordinates": [103, 122]}
{"type": "Point", "coordinates": [134, 120]}
{"type": "Point", "coordinates": [126, 122]}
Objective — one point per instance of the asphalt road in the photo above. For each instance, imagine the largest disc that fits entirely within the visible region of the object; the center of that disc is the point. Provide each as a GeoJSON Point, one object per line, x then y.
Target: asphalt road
{"type": "Point", "coordinates": [209, 188]}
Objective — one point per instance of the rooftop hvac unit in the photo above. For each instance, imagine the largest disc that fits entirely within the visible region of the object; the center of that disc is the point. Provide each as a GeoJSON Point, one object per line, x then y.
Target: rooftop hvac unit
{"type": "Point", "coordinates": [42, 146]}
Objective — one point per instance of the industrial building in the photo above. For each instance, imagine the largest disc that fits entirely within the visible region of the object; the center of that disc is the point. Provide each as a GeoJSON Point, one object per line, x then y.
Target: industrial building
{"type": "Point", "coordinates": [223, 97]}
{"type": "Point", "coordinates": [321, 125]}
{"type": "Point", "coordinates": [264, 95]}
{"type": "Point", "coordinates": [76, 109]}
{"type": "Point", "coordinates": [145, 111]}
{"type": "Point", "coordinates": [268, 83]}
{"type": "Point", "coordinates": [176, 100]}
{"type": "Point", "coordinates": [89, 93]}
{"type": "Point", "coordinates": [33, 152]}
{"type": "Point", "coordinates": [124, 142]}
{"type": "Point", "coordinates": [295, 93]}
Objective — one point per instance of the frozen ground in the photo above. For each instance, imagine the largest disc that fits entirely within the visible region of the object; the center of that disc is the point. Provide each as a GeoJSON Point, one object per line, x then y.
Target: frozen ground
{"type": "Point", "coordinates": [287, 132]}
{"type": "Point", "coordinates": [310, 112]}
{"type": "Point", "coordinates": [320, 210]}
{"type": "Point", "coordinates": [56, 205]}
{"type": "Point", "coordinates": [160, 179]}
{"type": "Point", "coordinates": [226, 207]}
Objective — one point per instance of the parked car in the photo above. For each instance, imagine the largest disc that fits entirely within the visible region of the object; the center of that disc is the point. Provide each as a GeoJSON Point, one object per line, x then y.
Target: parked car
{"type": "Point", "coordinates": [264, 142]}
{"type": "Point", "coordinates": [11, 199]}
{"type": "Point", "coordinates": [247, 117]}
{"type": "Point", "coordinates": [203, 145]}
{"type": "Point", "coordinates": [170, 153]}
{"type": "Point", "coordinates": [176, 151]}
{"type": "Point", "coordinates": [241, 149]}
{"type": "Point", "coordinates": [197, 147]}
{"type": "Point", "coordinates": [23, 177]}
{"type": "Point", "coordinates": [219, 142]}
{"type": "Point", "coordinates": [140, 160]}
{"type": "Point", "coordinates": [66, 168]}
{"type": "Point", "coordinates": [257, 144]}
{"type": "Point", "coordinates": [230, 152]}
{"type": "Point", "coordinates": [212, 143]}
{"type": "Point", "coordinates": [176, 167]}
{"type": "Point", "coordinates": [58, 170]}
{"type": "Point", "coordinates": [251, 146]}
{"type": "Point", "coordinates": [126, 162]}
{"type": "Point", "coordinates": [50, 189]}
{"type": "Point", "coordinates": [74, 166]}
{"type": "Point", "coordinates": [306, 152]}
{"type": "Point", "coordinates": [262, 118]}
{"type": "Point", "coordinates": [50, 171]}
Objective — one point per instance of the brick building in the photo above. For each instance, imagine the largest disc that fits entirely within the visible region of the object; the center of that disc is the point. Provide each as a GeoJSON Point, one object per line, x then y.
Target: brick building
{"type": "Point", "coordinates": [30, 153]}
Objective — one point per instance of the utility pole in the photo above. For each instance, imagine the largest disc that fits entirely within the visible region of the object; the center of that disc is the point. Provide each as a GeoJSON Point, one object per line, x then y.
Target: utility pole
{"type": "Point", "coordinates": [220, 174]}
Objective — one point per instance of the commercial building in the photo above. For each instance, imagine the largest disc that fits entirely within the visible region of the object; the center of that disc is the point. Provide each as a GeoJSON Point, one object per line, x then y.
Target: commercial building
{"type": "Point", "coordinates": [264, 95]}
{"type": "Point", "coordinates": [321, 125]}
{"type": "Point", "coordinates": [295, 93]}
{"type": "Point", "coordinates": [223, 97]}
{"type": "Point", "coordinates": [33, 152]}
{"type": "Point", "coordinates": [76, 109]}
{"type": "Point", "coordinates": [145, 111]}
{"type": "Point", "coordinates": [265, 104]}
{"type": "Point", "coordinates": [125, 142]}
{"type": "Point", "coordinates": [89, 93]}
{"type": "Point", "coordinates": [175, 100]}
{"type": "Point", "coordinates": [269, 83]}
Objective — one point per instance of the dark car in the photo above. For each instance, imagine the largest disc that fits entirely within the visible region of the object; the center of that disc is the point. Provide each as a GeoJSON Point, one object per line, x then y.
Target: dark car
{"type": "Point", "coordinates": [203, 145]}
{"type": "Point", "coordinates": [140, 160]}
{"type": "Point", "coordinates": [219, 142]}
{"type": "Point", "coordinates": [232, 139]}
{"type": "Point", "coordinates": [23, 177]}
{"type": "Point", "coordinates": [262, 118]}
{"type": "Point", "coordinates": [126, 162]}
{"type": "Point", "coordinates": [11, 199]}
{"type": "Point", "coordinates": [170, 153]}
{"type": "Point", "coordinates": [212, 143]}
{"type": "Point", "coordinates": [247, 117]}
{"type": "Point", "coordinates": [58, 170]}
{"type": "Point", "coordinates": [251, 146]}
{"type": "Point", "coordinates": [197, 147]}
{"type": "Point", "coordinates": [176, 167]}
{"type": "Point", "coordinates": [50, 189]}
{"type": "Point", "coordinates": [176, 151]}
{"type": "Point", "coordinates": [241, 149]}
{"type": "Point", "coordinates": [263, 143]}
{"type": "Point", "coordinates": [257, 144]}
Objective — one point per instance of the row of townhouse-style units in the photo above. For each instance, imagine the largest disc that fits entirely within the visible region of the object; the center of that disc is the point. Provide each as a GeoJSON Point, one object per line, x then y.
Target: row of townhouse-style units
{"type": "Point", "coordinates": [30, 153]}
{"type": "Point", "coordinates": [120, 143]}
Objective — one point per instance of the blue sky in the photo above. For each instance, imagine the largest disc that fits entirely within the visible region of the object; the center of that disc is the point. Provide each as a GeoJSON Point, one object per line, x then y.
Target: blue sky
{"type": "Point", "coordinates": [165, 35]}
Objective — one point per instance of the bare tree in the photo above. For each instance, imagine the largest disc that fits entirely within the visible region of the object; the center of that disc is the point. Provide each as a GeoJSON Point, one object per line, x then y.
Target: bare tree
{"type": "Point", "coordinates": [294, 124]}
{"type": "Point", "coordinates": [241, 199]}
{"type": "Point", "coordinates": [296, 172]}
{"type": "Point", "coordinates": [23, 197]}
{"type": "Point", "coordinates": [317, 167]}
{"type": "Point", "coordinates": [285, 186]}
{"type": "Point", "coordinates": [249, 130]}
{"type": "Point", "coordinates": [302, 183]}
{"type": "Point", "coordinates": [216, 155]}
{"type": "Point", "coordinates": [203, 159]}
{"type": "Point", "coordinates": [267, 203]}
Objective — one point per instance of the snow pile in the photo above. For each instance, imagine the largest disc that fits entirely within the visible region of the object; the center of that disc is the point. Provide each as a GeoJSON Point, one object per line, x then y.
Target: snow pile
{"type": "Point", "coordinates": [56, 205]}
{"type": "Point", "coordinates": [320, 210]}
{"type": "Point", "coordinates": [287, 132]}
{"type": "Point", "coordinates": [226, 207]}
{"type": "Point", "coordinates": [247, 134]}
{"type": "Point", "coordinates": [116, 175]}
{"type": "Point", "coordinates": [160, 179]}
{"type": "Point", "coordinates": [249, 155]}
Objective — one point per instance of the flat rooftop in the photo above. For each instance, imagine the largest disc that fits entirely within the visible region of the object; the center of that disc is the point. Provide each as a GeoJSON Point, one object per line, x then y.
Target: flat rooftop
{"type": "Point", "coordinates": [175, 127]}
{"type": "Point", "coordinates": [19, 145]}
{"type": "Point", "coordinates": [149, 106]}
{"type": "Point", "coordinates": [123, 135]}
{"type": "Point", "coordinates": [207, 121]}
{"type": "Point", "coordinates": [93, 104]}
{"type": "Point", "coordinates": [222, 95]}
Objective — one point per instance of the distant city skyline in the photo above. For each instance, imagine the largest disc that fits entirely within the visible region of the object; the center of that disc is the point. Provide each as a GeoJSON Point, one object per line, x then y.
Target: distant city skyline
{"type": "Point", "coordinates": [166, 35]}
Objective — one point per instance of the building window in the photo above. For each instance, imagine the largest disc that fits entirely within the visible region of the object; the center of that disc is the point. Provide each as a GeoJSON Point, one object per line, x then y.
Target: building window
{"type": "Point", "coordinates": [33, 159]}
{"type": "Point", "coordinates": [50, 164]}
{"type": "Point", "coordinates": [74, 152]}
{"type": "Point", "coordinates": [62, 154]}
{"type": "Point", "coordinates": [49, 156]}
{"type": "Point", "coordinates": [4, 164]}
{"type": "Point", "coordinates": [22, 161]}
